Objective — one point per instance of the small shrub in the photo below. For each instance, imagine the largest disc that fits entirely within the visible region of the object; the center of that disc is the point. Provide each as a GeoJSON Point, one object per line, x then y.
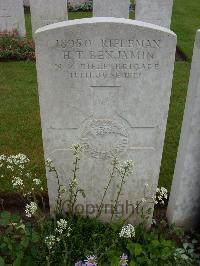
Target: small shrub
{"type": "Point", "coordinates": [13, 47]}
{"type": "Point", "coordinates": [87, 6]}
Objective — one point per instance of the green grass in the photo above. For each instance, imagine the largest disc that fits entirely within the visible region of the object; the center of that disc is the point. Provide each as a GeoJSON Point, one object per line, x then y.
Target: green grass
{"type": "Point", "coordinates": [28, 26]}
{"type": "Point", "coordinates": [20, 129]}
{"type": "Point", "coordinates": [185, 22]}
{"type": "Point", "coordinates": [176, 110]}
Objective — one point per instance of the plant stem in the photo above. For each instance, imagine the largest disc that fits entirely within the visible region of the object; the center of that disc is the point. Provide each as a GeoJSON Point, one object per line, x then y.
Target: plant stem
{"type": "Point", "coordinates": [118, 194]}
{"type": "Point", "coordinates": [105, 191]}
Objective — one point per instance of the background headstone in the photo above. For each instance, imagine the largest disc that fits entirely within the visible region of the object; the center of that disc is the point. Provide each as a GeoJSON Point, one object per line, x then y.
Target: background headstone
{"type": "Point", "coordinates": [111, 8]}
{"type": "Point", "coordinates": [12, 16]}
{"type": "Point", "coordinates": [157, 12]}
{"type": "Point", "coordinates": [184, 203]}
{"type": "Point", "coordinates": [45, 12]}
{"type": "Point", "coordinates": [105, 83]}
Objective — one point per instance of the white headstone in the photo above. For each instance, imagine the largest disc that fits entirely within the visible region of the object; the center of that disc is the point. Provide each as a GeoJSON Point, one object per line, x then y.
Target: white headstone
{"type": "Point", "coordinates": [111, 8]}
{"type": "Point", "coordinates": [157, 12]}
{"type": "Point", "coordinates": [105, 83]}
{"type": "Point", "coordinates": [45, 12]}
{"type": "Point", "coordinates": [12, 16]}
{"type": "Point", "coordinates": [184, 203]}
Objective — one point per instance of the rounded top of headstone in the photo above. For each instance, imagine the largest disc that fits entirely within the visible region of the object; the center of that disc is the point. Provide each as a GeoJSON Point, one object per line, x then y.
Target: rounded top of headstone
{"type": "Point", "coordinates": [98, 20]}
{"type": "Point", "coordinates": [198, 39]}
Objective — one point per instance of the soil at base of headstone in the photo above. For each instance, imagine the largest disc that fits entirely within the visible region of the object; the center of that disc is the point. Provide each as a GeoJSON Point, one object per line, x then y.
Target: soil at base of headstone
{"type": "Point", "coordinates": [15, 204]}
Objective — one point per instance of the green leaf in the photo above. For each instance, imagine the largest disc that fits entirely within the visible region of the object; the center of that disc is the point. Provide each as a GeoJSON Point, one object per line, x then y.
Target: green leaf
{"type": "Point", "coordinates": [35, 237]}
{"type": "Point", "coordinates": [17, 262]}
{"type": "Point", "coordinates": [25, 241]}
{"type": "Point", "coordinates": [5, 218]}
{"type": "Point", "coordinates": [166, 252]}
{"type": "Point", "coordinates": [138, 249]}
{"type": "Point", "coordinates": [135, 249]}
{"type": "Point", "coordinates": [132, 263]}
{"type": "Point", "coordinates": [115, 261]}
{"type": "Point", "coordinates": [2, 263]}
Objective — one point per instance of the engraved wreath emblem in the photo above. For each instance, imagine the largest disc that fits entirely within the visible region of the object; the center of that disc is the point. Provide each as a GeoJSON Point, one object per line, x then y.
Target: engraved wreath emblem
{"type": "Point", "coordinates": [103, 138]}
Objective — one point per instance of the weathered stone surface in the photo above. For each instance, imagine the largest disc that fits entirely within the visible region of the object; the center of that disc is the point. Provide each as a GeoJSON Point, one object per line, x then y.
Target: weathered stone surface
{"type": "Point", "coordinates": [105, 83]}
{"type": "Point", "coordinates": [26, 3]}
{"type": "Point", "coordinates": [111, 8]}
{"type": "Point", "coordinates": [45, 12]}
{"type": "Point", "coordinates": [184, 203]}
{"type": "Point", "coordinates": [12, 16]}
{"type": "Point", "coordinates": [157, 12]}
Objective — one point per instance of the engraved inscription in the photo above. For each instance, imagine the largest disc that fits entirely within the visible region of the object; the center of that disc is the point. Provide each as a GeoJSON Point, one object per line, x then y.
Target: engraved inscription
{"type": "Point", "coordinates": [103, 138]}
{"type": "Point", "coordinates": [107, 58]}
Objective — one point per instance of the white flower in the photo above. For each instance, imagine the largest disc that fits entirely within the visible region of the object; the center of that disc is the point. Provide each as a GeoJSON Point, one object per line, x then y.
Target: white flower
{"type": "Point", "coordinates": [143, 200]}
{"type": "Point", "coordinates": [37, 181]}
{"type": "Point", "coordinates": [10, 167]}
{"type": "Point", "coordinates": [62, 226]}
{"type": "Point", "coordinates": [128, 164]}
{"type": "Point", "coordinates": [161, 195]}
{"type": "Point", "coordinates": [31, 209]}
{"type": "Point", "coordinates": [124, 260]}
{"type": "Point", "coordinates": [91, 260]}
{"type": "Point", "coordinates": [50, 241]}
{"type": "Point", "coordinates": [153, 221]}
{"type": "Point", "coordinates": [19, 159]}
{"type": "Point", "coordinates": [77, 149]}
{"type": "Point", "coordinates": [48, 161]}
{"type": "Point", "coordinates": [125, 167]}
{"type": "Point", "coordinates": [2, 157]}
{"type": "Point", "coordinates": [74, 183]}
{"type": "Point", "coordinates": [17, 182]}
{"type": "Point", "coordinates": [127, 231]}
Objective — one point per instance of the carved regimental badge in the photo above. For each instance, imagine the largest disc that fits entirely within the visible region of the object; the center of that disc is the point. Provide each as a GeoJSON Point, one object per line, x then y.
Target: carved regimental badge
{"type": "Point", "coordinates": [103, 138]}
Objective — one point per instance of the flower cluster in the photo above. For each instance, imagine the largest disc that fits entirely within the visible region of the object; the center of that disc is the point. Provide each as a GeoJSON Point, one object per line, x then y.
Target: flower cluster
{"type": "Point", "coordinates": [127, 231]}
{"type": "Point", "coordinates": [17, 182]}
{"type": "Point", "coordinates": [19, 159]}
{"type": "Point", "coordinates": [12, 161]}
{"type": "Point", "coordinates": [90, 261]}
{"type": "Point", "coordinates": [62, 230]}
{"type": "Point", "coordinates": [126, 167]}
{"type": "Point", "coordinates": [50, 241]}
{"type": "Point", "coordinates": [13, 47]}
{"type": "Point", "coordinates": [74, 183]}
{"type": "Point", "coordinates": [62, 227]}
{"type": "Point", "coordinates": [124, 260]}
{"type": "Point", "coordinates": [16, 167]}
{"type": "Point", "coordinates": [31, 209]}
{"type": "Point", "coordinates": [77, 149]}
{"type": "Point", "coordinates": [37, 181]}
{"type": "Point", "coordinates": [161, 195]}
